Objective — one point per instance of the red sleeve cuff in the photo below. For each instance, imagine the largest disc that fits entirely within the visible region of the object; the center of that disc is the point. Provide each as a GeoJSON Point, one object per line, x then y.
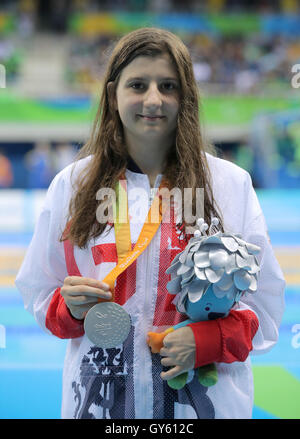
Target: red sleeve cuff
{"type": "Point", "coordinates": [208, 341]}
{"type": "Point", "coordinates": [59, 319]}
{"type": "Point", "coordinates": [225, 340]}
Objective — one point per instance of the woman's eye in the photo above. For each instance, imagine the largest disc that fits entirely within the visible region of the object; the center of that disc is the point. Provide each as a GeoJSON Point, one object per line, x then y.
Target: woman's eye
{"type": "Point", "coordinates": [169, 86]}
{"type": "Point", "coordinates": [137, 85]}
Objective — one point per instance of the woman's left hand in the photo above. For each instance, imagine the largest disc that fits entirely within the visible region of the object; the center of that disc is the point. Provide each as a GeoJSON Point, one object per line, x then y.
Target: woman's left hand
{"type": "Point", "coordinates": [179, 351]}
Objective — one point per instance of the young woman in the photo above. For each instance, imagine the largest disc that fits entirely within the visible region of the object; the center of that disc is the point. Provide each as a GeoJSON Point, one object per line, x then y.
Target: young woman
{"type": "Point", "coordinates": [147, 131]}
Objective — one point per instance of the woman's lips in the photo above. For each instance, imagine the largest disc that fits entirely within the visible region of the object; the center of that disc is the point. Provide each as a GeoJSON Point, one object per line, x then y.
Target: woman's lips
{"type": "Point", "coordinates": [151, 117]}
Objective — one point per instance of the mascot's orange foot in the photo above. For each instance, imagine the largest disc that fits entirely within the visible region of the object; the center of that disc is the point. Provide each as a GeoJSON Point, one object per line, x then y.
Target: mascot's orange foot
{"type": "Point", "coordinates": [155, 340]}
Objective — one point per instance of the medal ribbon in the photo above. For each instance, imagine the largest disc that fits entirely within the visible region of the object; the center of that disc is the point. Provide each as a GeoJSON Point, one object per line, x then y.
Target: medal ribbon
{"type": "Point", "coordinates": [121, 221]}
{"type": "Point", "coordinates": [126, 256]}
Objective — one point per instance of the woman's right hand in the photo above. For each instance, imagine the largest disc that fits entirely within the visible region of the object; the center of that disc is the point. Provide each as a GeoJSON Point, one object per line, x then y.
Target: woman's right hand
{"type": "Point", "coordinates": [82, 293]}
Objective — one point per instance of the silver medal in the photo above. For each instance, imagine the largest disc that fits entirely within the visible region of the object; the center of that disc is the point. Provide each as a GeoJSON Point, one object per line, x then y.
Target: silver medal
{"type": "Point", "coordinates": [107, 325]}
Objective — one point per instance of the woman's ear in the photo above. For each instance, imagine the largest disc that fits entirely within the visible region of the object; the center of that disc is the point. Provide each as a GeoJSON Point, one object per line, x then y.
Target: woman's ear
{"type": "Point", "coordinates": [112, 100]}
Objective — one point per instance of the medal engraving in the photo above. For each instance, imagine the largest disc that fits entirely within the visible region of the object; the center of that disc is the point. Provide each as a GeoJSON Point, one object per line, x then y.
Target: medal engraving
{"type": "Point", "coordinates": [107, 325]}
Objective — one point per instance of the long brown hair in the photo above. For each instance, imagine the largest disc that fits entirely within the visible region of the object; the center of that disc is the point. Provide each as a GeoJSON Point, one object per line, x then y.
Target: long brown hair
{"type": "Point", "coordinates": [186, 164]}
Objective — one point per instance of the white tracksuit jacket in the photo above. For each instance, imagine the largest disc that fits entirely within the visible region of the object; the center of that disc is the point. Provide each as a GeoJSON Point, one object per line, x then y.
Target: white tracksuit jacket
{"type": "Point", "coordinates": [125, 382]}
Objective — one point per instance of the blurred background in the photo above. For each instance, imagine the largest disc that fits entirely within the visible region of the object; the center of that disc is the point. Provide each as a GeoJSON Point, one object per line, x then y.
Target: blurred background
{"type": "Point", "coordinates": [53, 54]}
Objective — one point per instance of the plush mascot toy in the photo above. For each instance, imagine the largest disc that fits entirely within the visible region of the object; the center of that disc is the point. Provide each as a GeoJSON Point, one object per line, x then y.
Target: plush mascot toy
{"type": "Point", "coordinates": [208, 278]}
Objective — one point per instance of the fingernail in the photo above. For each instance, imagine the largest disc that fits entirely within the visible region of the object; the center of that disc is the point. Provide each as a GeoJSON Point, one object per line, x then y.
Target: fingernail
{"type": "Point", "coordinates": [105, 286]}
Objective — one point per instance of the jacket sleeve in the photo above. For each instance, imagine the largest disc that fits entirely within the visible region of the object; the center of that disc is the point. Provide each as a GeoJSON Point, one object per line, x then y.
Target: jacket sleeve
{"type": "Point", "coordinates": [253, 324]}
{"type": "Point", "coordinates": [225, 340]}
{"type": "Point", "coordinates": [59, 320]}
{"type": "Point", "coordinates": [44, 269]}
{"type": "Point", "coordinates": [268, 301]}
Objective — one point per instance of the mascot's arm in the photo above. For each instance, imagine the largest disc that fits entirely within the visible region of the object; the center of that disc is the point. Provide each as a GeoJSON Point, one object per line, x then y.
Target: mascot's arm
{"type": "Point", "coordinates": [59, 319]}
{"type": "Point", "coordinates": [225, 340]}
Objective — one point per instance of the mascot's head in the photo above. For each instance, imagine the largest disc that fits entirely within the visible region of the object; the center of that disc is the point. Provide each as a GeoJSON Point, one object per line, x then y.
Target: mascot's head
{"type": "Point", "coordinates": [212, 272]}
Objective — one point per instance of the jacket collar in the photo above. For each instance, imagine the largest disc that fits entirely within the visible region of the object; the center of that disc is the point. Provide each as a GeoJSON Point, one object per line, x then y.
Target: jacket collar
{"type": "Point", "coordinates": [132, 166]}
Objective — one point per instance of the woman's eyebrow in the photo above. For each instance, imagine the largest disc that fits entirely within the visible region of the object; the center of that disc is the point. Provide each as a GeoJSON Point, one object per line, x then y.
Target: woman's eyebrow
{"type": "Point", "coordinates": [147, 77]}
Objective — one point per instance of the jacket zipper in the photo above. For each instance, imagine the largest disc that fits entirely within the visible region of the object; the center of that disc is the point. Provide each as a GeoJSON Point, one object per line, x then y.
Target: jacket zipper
{"type": "Point", "coordinates": [147, 303]}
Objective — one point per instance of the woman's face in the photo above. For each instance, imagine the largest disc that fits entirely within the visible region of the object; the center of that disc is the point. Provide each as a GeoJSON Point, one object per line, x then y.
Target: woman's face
{"type": "Point", "coordinates": [147, 98]}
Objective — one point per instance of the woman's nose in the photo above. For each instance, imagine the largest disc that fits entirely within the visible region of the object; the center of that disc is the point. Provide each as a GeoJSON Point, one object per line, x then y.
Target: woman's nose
{"type": "Point", "coordinates": [153, 96]}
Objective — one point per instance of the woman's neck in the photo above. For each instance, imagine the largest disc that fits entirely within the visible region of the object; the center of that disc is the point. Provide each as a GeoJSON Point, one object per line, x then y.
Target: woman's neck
{"type": "Point", "coordinates": [150, 165]}
{"type": "Point", "coordinates": [150, 160]}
